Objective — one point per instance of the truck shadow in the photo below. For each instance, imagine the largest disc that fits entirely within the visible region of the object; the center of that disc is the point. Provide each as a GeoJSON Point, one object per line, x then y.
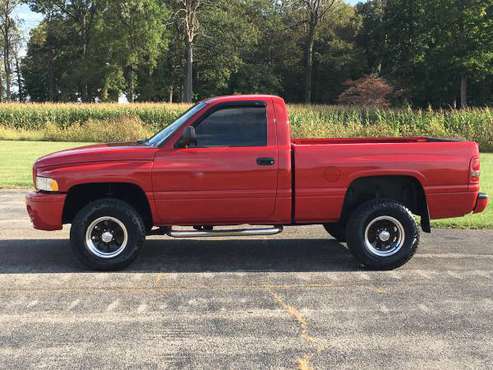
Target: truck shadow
{"type": "Point", "coordinates": [281, 255]}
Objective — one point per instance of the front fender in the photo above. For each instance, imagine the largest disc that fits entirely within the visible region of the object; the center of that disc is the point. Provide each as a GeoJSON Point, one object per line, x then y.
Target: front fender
{"type": "Point", "coordinates": [133, 172]}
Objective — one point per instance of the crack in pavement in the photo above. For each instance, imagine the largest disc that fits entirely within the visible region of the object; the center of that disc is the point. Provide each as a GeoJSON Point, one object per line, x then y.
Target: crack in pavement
{"type": "Point", "coordinates": [304, 362]}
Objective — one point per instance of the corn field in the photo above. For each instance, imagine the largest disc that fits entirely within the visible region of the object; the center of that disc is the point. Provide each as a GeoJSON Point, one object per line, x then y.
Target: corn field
{"type": "Point", "coordinates": [115, 122]}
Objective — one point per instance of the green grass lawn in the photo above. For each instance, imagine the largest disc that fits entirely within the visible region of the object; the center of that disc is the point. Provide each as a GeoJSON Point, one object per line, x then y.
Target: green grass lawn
{"type": "Point", "coordinates": [17, 158]}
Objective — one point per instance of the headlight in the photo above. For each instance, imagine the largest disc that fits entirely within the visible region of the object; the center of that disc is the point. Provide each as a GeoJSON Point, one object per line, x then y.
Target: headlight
{"type": "Point", "coordinates": [46, 184]}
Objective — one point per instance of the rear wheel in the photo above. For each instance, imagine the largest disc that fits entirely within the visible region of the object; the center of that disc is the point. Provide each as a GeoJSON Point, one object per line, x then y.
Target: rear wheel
{"type": "Point", "coordinates": [107, 234]}
{"type": "Point", "coordinates": [382, 234]}
{"type": "Point", "coordinates": [337, 230]}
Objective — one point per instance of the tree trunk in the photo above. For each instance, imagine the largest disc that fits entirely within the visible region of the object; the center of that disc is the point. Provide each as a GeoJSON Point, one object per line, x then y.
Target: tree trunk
{"type": "Point", "coordinates": [188, 74]}
{"type": "Point", "coordinates": [170, 100]}
{"type": "Point", "coordinates": [85, 46]}
{"type": "Point", "coordinates": [85, 87]}
{"type": "Point", "coordinates": [8, 71]}
{"type": "Point", "coordinates": [19, 78]}
{"type": "Point", "coordinates": [1, 87]}
{"type": "Point", "coordinates": [51, 77]}
{"type": "Point", "coordinates": [131, 87]}
{"type": "Point", "coordinates": [463, 91]}
{"type": "Point", "coordinates": [309, 64]}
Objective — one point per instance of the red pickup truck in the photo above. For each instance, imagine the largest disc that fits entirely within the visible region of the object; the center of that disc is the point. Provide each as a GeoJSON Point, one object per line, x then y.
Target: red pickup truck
{"type": "Point", "coordinates": [231, 161]}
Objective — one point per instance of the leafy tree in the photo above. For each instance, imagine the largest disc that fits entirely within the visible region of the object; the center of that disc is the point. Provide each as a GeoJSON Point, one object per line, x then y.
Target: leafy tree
{"type": "Point", "coordinates": [41, 73]}
{"type": "Point", "coordinates": [166, 81]}
{"type": "Point", "coordinates": [188, 12]}
{"type": "Point", "coordinates": [471, 40]}
{"type": "Point", "coordinates": [81, 17]}
{"type": "Point", "coordinates": [271, 48]}
{"type": "Point", "coordinates": [337, 58]}
{"type": "Point", "coordinates": [136, 38]}
{"type": "Point", "coordinates": [372, 35]}
{"type": "Point", "coordinates": [10, 38]}
{"type": "Point", "coordinates": [314, 12]}
{"type": "Point", "coordinates": [432, 49]}
{"type": "Point", "coordinates": [224, 46]}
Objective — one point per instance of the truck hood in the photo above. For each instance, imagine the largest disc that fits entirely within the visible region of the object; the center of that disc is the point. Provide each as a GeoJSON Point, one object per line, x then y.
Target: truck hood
{"type": "Point", "coordinates": [98, 153]}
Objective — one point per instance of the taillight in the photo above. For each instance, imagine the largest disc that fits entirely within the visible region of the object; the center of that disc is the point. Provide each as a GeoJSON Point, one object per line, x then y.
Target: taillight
{"type": "Point", "coordinates": [474, 171]}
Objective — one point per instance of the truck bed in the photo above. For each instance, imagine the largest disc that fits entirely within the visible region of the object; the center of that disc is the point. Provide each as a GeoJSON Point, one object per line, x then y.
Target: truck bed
{"type": "Point", "coordinates": [325, 169]}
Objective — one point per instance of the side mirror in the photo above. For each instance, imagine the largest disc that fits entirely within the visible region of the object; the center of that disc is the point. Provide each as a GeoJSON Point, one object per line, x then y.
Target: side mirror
{"type": "Point", "coordinates": [188, 138]}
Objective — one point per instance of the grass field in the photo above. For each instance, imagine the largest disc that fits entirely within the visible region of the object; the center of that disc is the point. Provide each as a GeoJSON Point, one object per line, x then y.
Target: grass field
{"type": "Point", "coordinates": [18, 157]}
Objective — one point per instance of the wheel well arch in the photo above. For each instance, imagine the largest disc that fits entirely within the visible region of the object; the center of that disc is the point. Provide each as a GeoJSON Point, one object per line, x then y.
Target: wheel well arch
{"type": "Point", "coordinates": [80, 195]}
{"type": "Point", "coordinates": [404, 189]}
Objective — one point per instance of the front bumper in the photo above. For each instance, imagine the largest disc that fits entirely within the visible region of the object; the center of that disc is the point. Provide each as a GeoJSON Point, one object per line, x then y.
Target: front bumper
{"type": "Point", "coordinates": [45, 210]}
{"type": "Point", "coordinates": [481, 203]}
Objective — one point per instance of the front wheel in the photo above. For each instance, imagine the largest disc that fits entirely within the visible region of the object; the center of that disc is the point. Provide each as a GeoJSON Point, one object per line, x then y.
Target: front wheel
{"type": "Point", "coordinates": [107, 234]}
{"type": "Point", "coordinates": [382, 234]}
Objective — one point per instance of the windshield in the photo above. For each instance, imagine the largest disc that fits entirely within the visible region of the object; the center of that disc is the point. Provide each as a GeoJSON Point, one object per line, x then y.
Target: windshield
{"type": "Point", "coordinates": [164, 134]}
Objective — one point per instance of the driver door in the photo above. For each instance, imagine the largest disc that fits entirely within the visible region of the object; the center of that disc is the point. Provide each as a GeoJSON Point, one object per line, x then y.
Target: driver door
{"type": "Point", "coordinates": [230, 176]}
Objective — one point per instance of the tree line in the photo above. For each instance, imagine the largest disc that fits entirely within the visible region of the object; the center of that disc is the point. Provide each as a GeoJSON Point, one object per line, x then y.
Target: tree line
{"type": "Point", "coordinates": [430, 52]}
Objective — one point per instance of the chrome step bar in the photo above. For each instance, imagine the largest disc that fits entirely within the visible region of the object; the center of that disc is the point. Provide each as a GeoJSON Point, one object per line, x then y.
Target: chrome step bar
{"type": "Point", "coordinates": [227, 232]}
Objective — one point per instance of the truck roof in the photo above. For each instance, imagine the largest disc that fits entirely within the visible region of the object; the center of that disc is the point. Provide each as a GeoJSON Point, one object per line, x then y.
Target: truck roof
{"type": "Point", "coordinates": [233, 98]}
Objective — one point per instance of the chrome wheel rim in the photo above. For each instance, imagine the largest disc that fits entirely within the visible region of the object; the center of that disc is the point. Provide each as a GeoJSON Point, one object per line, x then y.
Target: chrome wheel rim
{"type": "Point", "coordinates": [384, 236]}
{"type": "Point", "coordinates": [106, 237]}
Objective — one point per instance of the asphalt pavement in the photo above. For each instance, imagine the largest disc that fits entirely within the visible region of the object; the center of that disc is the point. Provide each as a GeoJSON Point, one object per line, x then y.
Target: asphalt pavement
{"type": "Point", "coordinates": [296, 300]}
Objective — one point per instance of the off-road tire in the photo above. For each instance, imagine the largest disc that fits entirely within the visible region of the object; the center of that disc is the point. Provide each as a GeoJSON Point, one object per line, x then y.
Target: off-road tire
{"type": "Point", "coordinates": [337, 231]}
{"type": "Point", "coordinates": [107, 207]}
{"type": "Point", "coordinates": [371, 211]}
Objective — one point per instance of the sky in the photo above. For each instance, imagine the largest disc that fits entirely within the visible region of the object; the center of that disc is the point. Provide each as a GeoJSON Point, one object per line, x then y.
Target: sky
{"type": "Point", "coordinates": [28, 18]}
{"type": "Point", "coordinates": [31, 19]}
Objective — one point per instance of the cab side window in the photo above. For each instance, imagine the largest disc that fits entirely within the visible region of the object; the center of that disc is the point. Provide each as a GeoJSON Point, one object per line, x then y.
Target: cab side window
{"type": "Point", "coordinates": [233, 126]}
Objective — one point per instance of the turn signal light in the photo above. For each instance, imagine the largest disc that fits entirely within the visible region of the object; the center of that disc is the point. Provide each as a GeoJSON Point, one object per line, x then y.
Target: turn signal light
{"type": "Point", "coordinates": [46, 184]}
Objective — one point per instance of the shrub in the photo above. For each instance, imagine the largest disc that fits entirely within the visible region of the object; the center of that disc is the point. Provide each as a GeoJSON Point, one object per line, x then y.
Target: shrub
{"type": "Point", "coordinates": [370, 91]}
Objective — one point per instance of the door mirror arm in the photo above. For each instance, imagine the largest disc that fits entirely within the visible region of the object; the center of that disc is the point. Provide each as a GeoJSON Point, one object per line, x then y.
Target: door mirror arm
{"type": "Point", "coordinates": [188, 138]}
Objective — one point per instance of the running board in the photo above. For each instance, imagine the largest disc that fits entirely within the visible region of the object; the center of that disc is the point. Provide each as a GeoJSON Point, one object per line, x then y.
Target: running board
{"type": "Point", "coordinates": [221, 233]}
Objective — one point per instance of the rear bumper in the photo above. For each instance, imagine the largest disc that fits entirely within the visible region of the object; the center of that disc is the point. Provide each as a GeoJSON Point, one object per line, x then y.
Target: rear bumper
{"type": "Point", "coordinates": [481, 203]}
{"type": "Point", "coordinates": [45, 210]}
